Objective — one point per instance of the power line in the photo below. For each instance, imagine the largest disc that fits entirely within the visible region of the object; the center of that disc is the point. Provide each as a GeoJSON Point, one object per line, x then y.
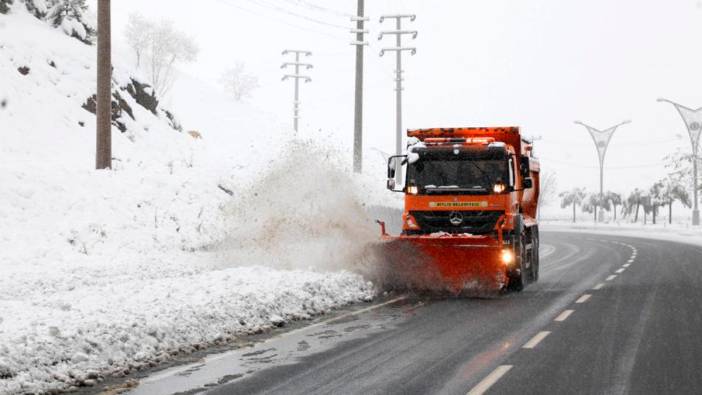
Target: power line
{"type": "Point", "coordinates": [273, 6]}
{"type": "Point", "coordinates": [229, 3]}
{"type": "Point", "coordinates": [319, 8]}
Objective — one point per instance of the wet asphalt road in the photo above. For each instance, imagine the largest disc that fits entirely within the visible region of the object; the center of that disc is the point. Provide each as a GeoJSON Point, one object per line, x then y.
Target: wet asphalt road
{"type": "Point", "coordinates": [610, 315]}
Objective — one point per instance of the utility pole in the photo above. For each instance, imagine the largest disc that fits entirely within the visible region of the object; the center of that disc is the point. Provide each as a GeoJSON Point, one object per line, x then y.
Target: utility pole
{"type": "Point", "coordinates": [360, 42]}
{"type": "Point", "coordinates": [601, 138]}
{"type": "Point", "coordinates": [103, 149]}
{"type": "Point", "coordinates": [297, 77]}
{"type": "Point", "coordinates": [693, 122]}
{"type": "Point", "coordinates": [398, 49]}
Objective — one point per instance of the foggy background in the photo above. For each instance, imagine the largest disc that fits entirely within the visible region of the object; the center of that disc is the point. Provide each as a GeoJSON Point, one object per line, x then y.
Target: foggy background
{"type": "Point", "coordinates": [538, 64]}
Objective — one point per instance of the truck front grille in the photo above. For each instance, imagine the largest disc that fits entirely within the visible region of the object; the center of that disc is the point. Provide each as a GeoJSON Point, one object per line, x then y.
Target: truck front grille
{"type": "Point", "coordinates": [473, 222]}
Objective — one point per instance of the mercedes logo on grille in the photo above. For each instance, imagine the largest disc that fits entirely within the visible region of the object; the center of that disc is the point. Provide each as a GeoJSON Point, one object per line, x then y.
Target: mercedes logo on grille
{"type": "Point", "coordinates": [456, 218]}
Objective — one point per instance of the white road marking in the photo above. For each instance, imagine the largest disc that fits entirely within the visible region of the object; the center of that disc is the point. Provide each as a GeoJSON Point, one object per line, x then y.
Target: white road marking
{"type": "Point", "coordinates": [583, 299]}
{"type": "Point", "coordinates": [598, 286]}
{"type": "Point", "coordinates": [620, 271]}
{"type": "Point", "coordinates": [630, 261]}
{"type": "Point", "coordinates": [490, 380]}
{"type": "Point", "coordinates": [626, 265]}
{"type": "Point", "coordinates": [536, 339]}
{"type": "Point", "coordinates": [610, 278]}
{"type": "Point", "coordinates": [564, 315]}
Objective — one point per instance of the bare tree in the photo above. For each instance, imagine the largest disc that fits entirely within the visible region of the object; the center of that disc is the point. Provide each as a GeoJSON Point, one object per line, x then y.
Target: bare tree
{"type": "Point", "coordinates": [238, 82]}
{"type": "Point", "coordinates": [547, 189]}
{"type": "Point", "coordinates": [162, 47]}
{"type": "Point", "coordinates": [138, 34]}
{"type": "Point", "coordinates": [168, 47]}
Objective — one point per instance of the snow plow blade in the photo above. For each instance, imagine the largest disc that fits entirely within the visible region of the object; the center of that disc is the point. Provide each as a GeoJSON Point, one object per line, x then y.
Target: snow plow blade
{"type": "Point", "coordinates": [455, 263]}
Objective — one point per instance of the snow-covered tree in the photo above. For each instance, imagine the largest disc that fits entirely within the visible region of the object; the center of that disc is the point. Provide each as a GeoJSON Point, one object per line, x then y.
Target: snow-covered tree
{"type": "Point", "coordinates": [594, 201]}
{"type": "Point", "coordinates": [138, 34]}
{"type": "Point", "coordinates": [69, 15]}
{"type": "Point", "coordinates": [674, 190]}
{"type": "Point", "coordinates": [167, 47]}
{"type": "Point", "coordinates": [238, 82]}
{"type": "Point", "coordinates": [633, 203]}
{"type": "Point", "coordinates": [573, 198]}
{"type": "Point", "coordinates": [657, 199]}
{"type": "Point", "coordinates": [614, 199]}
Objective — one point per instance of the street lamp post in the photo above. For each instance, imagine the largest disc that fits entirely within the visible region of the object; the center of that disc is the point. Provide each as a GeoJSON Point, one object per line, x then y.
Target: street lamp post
{"type": "Point", "coordinates": [693, 122]}
{"type": "Point", "coordinates": [601, 138]}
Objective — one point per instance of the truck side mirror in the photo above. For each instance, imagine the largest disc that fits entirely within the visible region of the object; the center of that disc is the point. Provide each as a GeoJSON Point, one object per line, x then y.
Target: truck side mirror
{"type": "Point", "coordinates": [394, 162]}
{"type": "Point", "coordinates": [528, 183]}
{"type": "Point", "coordinates": [524, 166]}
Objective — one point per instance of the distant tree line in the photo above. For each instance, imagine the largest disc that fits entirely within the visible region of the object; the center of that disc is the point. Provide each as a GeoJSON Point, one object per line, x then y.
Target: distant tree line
{"type": "Point", "coordinates": [639, 204]}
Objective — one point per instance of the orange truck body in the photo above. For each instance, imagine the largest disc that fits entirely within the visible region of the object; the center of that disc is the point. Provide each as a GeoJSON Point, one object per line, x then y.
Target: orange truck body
{"type": "Point", "coordinates": [487, 240]}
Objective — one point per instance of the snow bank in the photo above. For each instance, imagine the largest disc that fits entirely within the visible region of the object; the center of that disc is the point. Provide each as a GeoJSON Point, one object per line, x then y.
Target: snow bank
{"type": "Point", "coordinates": [186, 243]}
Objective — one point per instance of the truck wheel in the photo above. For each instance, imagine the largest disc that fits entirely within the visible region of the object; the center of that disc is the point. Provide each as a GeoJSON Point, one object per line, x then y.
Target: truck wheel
{"type": "Point", "coordinates": [519, 277]}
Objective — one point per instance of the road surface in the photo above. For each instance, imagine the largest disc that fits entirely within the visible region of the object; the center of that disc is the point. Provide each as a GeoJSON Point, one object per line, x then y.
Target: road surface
{"type": "Point", "coordinates": [610, 315]}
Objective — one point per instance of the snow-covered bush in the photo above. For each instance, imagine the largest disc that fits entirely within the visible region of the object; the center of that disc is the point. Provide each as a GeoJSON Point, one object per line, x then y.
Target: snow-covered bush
{"type": "Point", "coordinates": [69, 15]}
{"type": "Point", "coordinates": [238, 82]}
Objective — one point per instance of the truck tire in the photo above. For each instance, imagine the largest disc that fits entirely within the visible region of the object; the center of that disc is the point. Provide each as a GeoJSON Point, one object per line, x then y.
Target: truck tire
{"type": "Point", "coordinates": [519, 277]}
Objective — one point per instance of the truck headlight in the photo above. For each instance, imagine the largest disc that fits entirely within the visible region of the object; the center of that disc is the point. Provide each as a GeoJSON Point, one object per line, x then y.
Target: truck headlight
{"type": "Point", "coordinates": [507, 257]}
{"type": "Point", "coordinates": [499, 187]}
{"type": "Point", "coordinates": [413, 189]}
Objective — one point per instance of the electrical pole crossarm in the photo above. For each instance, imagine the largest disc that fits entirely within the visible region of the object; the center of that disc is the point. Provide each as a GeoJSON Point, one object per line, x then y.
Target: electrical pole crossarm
{"type": "Point", "coordinates": [297, 51]}
{"type": "Point", "coordinates": [414, 33]}
{"type": "Point", "coordinates": [411, 17]}
{"type": "Point", "coordinates": [412, 50]}
{"type": "Point", "coordinates": [305, 65]}
{"type": "Point", "coordinates": [295, 76]}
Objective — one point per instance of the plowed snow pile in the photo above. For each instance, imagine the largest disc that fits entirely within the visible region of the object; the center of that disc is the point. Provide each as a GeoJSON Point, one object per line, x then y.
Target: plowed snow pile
{"type": "Point", "coordinates": [104, 272]}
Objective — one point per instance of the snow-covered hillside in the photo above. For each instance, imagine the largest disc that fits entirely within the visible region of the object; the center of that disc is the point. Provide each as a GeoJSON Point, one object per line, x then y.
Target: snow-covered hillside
{"type": "Point", "coordinates": [186, 243]}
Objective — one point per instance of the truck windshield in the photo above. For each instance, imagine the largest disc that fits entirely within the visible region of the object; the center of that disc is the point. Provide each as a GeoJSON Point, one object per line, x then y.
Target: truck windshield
{"type": "Point", "coordinates": [454, 176]}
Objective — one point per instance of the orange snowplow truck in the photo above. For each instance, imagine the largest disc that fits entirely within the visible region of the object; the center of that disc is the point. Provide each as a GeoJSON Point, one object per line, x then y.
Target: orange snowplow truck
{"type": "Point", "coordinates": [471, 197]}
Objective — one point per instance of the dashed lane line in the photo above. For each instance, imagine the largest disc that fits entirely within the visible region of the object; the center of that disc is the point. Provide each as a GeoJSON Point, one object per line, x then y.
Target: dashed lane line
{"type": "Point", "coordinates": [620, 271]}
{"type": "Point", "coordinates": [536, 340]}
{"type": "Point", "coordinates": [490, 380]}
{"type": "Point", "coordinates": [598, 286]}
{"type": "Point", "coordinates": [564, 315]}
{"type": "Point", "coordinates": [583, 299]}
{"type": "Point", "coordinates": [610, 278]}
{"type": "Point", "coordinates": [626, 265]}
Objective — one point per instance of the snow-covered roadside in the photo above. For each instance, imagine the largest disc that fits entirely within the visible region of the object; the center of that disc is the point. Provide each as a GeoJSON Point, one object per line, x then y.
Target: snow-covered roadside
{"type": "Point", "coordinates": [676, 232]}
{"type": "Point", "coordinates": [186, 243]}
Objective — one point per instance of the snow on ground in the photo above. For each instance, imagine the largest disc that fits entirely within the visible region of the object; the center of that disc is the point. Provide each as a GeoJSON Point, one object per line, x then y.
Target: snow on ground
{"type": "Point", "coordinates": [104, 272]}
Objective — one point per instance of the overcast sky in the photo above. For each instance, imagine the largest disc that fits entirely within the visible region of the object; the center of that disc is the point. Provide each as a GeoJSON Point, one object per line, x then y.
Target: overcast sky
{"type": "Point", "coordinates": [538, 64]}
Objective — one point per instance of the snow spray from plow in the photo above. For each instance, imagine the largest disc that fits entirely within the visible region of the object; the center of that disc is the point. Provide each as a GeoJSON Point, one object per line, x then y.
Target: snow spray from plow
{"type": "Point", "coordinates": [306, 211]}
